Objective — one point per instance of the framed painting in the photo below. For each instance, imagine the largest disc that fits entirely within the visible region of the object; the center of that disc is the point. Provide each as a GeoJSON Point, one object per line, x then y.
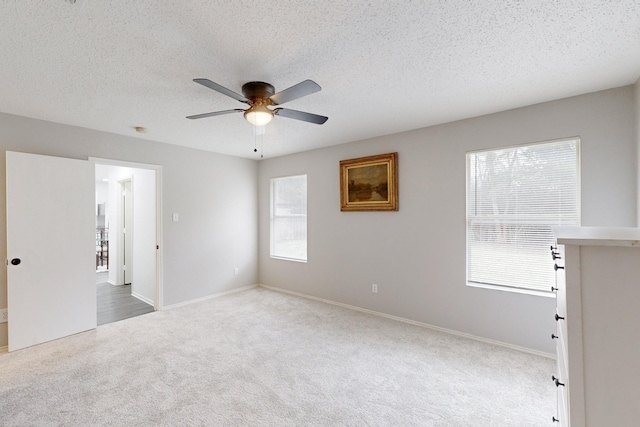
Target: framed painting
{"type": "Point", "coordinates": [369, 183]}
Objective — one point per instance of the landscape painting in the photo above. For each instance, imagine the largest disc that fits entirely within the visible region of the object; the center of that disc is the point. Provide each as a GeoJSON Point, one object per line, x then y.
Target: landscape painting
{"type": "Point", "coordinates": [369, 183]}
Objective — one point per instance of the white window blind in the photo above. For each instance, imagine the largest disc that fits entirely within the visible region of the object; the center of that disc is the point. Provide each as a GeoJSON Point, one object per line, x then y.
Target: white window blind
{"type": "Point", "coordinates": [514, 196]}
{"type": "Point", "coordinates": [289, 217]}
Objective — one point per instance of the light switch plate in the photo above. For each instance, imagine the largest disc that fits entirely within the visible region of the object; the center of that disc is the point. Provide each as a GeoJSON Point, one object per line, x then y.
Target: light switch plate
{"type": "Point", "coordinates": [176, 217]}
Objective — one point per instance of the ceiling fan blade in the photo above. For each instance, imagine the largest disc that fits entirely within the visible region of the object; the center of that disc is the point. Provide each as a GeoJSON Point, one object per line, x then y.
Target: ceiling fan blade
{"type": "Point", "coordinates": [223, 90]}
{"type": "Point", "coordinates": [300, 115]}
{"type": "Point", "coordinates": [215, 113]}
{"type": "Point", "coordinates": [304, 88]}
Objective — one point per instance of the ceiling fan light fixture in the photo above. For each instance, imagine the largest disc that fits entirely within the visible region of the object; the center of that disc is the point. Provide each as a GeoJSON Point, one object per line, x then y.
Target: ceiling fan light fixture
{"type": "Point", "coordinates": [258, 115]}
{"type": "Point", "coordinates": [260, 96]}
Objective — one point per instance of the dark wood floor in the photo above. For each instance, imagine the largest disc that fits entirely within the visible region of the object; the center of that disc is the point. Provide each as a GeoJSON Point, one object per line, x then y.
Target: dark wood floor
{"type": "Point", "coordinates": [116, 303]}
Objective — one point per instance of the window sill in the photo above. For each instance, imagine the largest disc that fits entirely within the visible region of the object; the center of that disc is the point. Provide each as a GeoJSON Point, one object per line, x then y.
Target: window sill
{"type": "Point", "coordinates": [512, 290]}
{"type": "Point", "coordinates": [304, 261]}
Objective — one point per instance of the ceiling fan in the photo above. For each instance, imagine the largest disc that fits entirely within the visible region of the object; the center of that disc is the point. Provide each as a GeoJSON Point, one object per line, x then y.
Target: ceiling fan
{"type": "Point", "coordinates": [260, 96]}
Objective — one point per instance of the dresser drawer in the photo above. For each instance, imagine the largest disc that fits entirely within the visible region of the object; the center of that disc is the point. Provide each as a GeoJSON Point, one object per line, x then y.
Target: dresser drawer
{"type": "Point", "coordinates": [561, 289]}
{"type": "Point", "coordinates": [562, 373]}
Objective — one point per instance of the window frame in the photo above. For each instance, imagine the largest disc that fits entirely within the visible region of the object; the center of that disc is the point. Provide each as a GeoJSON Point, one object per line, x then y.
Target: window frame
{"type": "Point", "coordinates": [468, 218]}
{"type": "Point", "coordinates": [273, 217]}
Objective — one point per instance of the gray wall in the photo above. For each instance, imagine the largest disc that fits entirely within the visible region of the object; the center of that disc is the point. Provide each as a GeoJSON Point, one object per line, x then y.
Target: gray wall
{"type": "Point", "coordinates": [417, 255]}
{"type": "Point", "coordinates": [215, 195]}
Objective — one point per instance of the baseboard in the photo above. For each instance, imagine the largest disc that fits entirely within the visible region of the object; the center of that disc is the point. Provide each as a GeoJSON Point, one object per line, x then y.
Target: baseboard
{"type": "Point", "coordinates": [143, 299]}
{"type": "Point", "coordinates": [111, 282]}
{"type": "Point", "coordinates": [4, 349]}
{"type": "Point", "coordinates": [415, 323]}
{"type": "Point", "coordinates": [208, 297]}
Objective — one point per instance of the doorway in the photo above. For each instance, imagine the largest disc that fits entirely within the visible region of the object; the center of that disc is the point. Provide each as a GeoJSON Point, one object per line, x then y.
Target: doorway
{"type": "Point", "coordinates": [50, 280]}
{"type": "Point", "coordinates": [131, 285]}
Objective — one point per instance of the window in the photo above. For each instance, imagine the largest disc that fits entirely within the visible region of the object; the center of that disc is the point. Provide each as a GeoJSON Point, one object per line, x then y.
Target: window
{"type": "Point", "coordinates": [514, 197]}
{"type": "Point", "coordinates": [289, 218]}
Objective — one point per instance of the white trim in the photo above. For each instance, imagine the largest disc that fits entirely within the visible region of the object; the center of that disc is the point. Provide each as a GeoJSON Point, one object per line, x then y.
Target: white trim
{"type": "Point", "coordinates": [208, 297]}
{"type": "Point", "coordinates": [141, 298]}
{"type": "Point", "coordinates": [289, 259]}
{"type": "Point", "coordinates": [272, 217]}
{"type": "Point", "coordinates": [123, 163]}
{"type": "Point", "coordinates": [526, 291]}
{"type": "Point", "coordinates": [526, 144]}
{"type": "Point", "coordinates": [415, 323]}
{"type": "Point", "coordinates": [159, 247]}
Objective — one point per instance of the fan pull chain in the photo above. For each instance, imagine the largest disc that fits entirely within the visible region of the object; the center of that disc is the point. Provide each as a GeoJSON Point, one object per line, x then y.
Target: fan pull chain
{"type": "Point", "coordinates": [258, 132]}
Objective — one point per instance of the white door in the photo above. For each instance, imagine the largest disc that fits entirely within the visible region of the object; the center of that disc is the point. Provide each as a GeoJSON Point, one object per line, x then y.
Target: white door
{"type": "Point", "coordinates": [51, 287]}
{"type": "Point", "coordinates": [127, 233]}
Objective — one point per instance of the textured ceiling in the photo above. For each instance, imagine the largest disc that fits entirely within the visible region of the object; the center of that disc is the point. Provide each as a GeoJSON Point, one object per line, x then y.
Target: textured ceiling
{"type": "Point", "coordinates": [384, 66]}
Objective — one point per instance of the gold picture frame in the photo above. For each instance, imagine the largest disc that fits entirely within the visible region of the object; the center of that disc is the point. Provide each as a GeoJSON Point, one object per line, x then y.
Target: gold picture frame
{"type": "Point", "coordinates": [369, 183]}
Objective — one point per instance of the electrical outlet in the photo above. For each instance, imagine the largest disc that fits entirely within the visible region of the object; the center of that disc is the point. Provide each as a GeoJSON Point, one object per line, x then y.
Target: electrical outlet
{"type": "Point", "coordinates": [4, 316]}
{"type": "Point", "coordinates": [374, 288]}
{"type": "Point", "coordinates": [236, 271]}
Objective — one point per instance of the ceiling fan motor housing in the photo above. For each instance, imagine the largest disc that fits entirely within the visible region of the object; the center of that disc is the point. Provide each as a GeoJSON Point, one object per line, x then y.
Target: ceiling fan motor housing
{"type": "Point", "coordinates": [257, 90]}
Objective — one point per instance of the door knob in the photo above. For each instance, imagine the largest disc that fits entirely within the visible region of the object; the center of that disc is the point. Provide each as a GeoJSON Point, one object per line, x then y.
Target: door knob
{"type": "Point", "coordinates": [16, 261]}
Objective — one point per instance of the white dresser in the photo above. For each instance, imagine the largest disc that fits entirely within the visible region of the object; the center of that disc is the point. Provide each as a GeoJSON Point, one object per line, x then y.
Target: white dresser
{"type": "Point", "coordinates": [598, 326]}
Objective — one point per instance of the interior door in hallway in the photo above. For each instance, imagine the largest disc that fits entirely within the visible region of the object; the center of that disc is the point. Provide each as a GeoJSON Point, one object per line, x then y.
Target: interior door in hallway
{"type": "Point", "coordinates": [127, 232]}
{"type": "Point", "coordinates": [50, 248]}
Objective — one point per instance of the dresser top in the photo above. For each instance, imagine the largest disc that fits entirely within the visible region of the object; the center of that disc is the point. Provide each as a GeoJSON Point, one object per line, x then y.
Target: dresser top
{"type": "Point", "coordinates": [597, 236]}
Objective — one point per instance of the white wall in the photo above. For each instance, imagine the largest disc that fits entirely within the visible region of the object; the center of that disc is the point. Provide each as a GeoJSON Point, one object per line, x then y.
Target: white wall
{"type": "Point", "coordinates": [216, 196]}
{"type": "Point", "coordinates": [115, 174]}
{"type": "Point", "coordinates": [417, 255]}
{"type": "Point", "coordinates": [102, 192]}
{"type": "Point", "coordinates": [143, 285]}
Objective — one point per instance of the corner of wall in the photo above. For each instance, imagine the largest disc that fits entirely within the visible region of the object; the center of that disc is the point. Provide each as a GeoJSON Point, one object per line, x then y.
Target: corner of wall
{"type": "Point", "coordinates": [3, 336]}
{"type": "Point", "coordinates": [637, 139]}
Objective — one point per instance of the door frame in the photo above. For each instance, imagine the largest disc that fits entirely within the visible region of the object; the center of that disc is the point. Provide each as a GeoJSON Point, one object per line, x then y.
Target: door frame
{"type": "Point", "coordinates": [125, 231]}
{"type": "Point", "coordinates": [158, 303]}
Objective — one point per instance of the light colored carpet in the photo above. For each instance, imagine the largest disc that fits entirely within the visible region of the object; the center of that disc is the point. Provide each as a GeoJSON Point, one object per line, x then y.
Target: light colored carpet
{"type": "Point", "coordinates": [265, 358]}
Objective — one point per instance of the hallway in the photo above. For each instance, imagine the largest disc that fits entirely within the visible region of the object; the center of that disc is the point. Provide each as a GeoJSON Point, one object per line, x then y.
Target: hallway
{"type": "Point", "coordinates": [116, 303]}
